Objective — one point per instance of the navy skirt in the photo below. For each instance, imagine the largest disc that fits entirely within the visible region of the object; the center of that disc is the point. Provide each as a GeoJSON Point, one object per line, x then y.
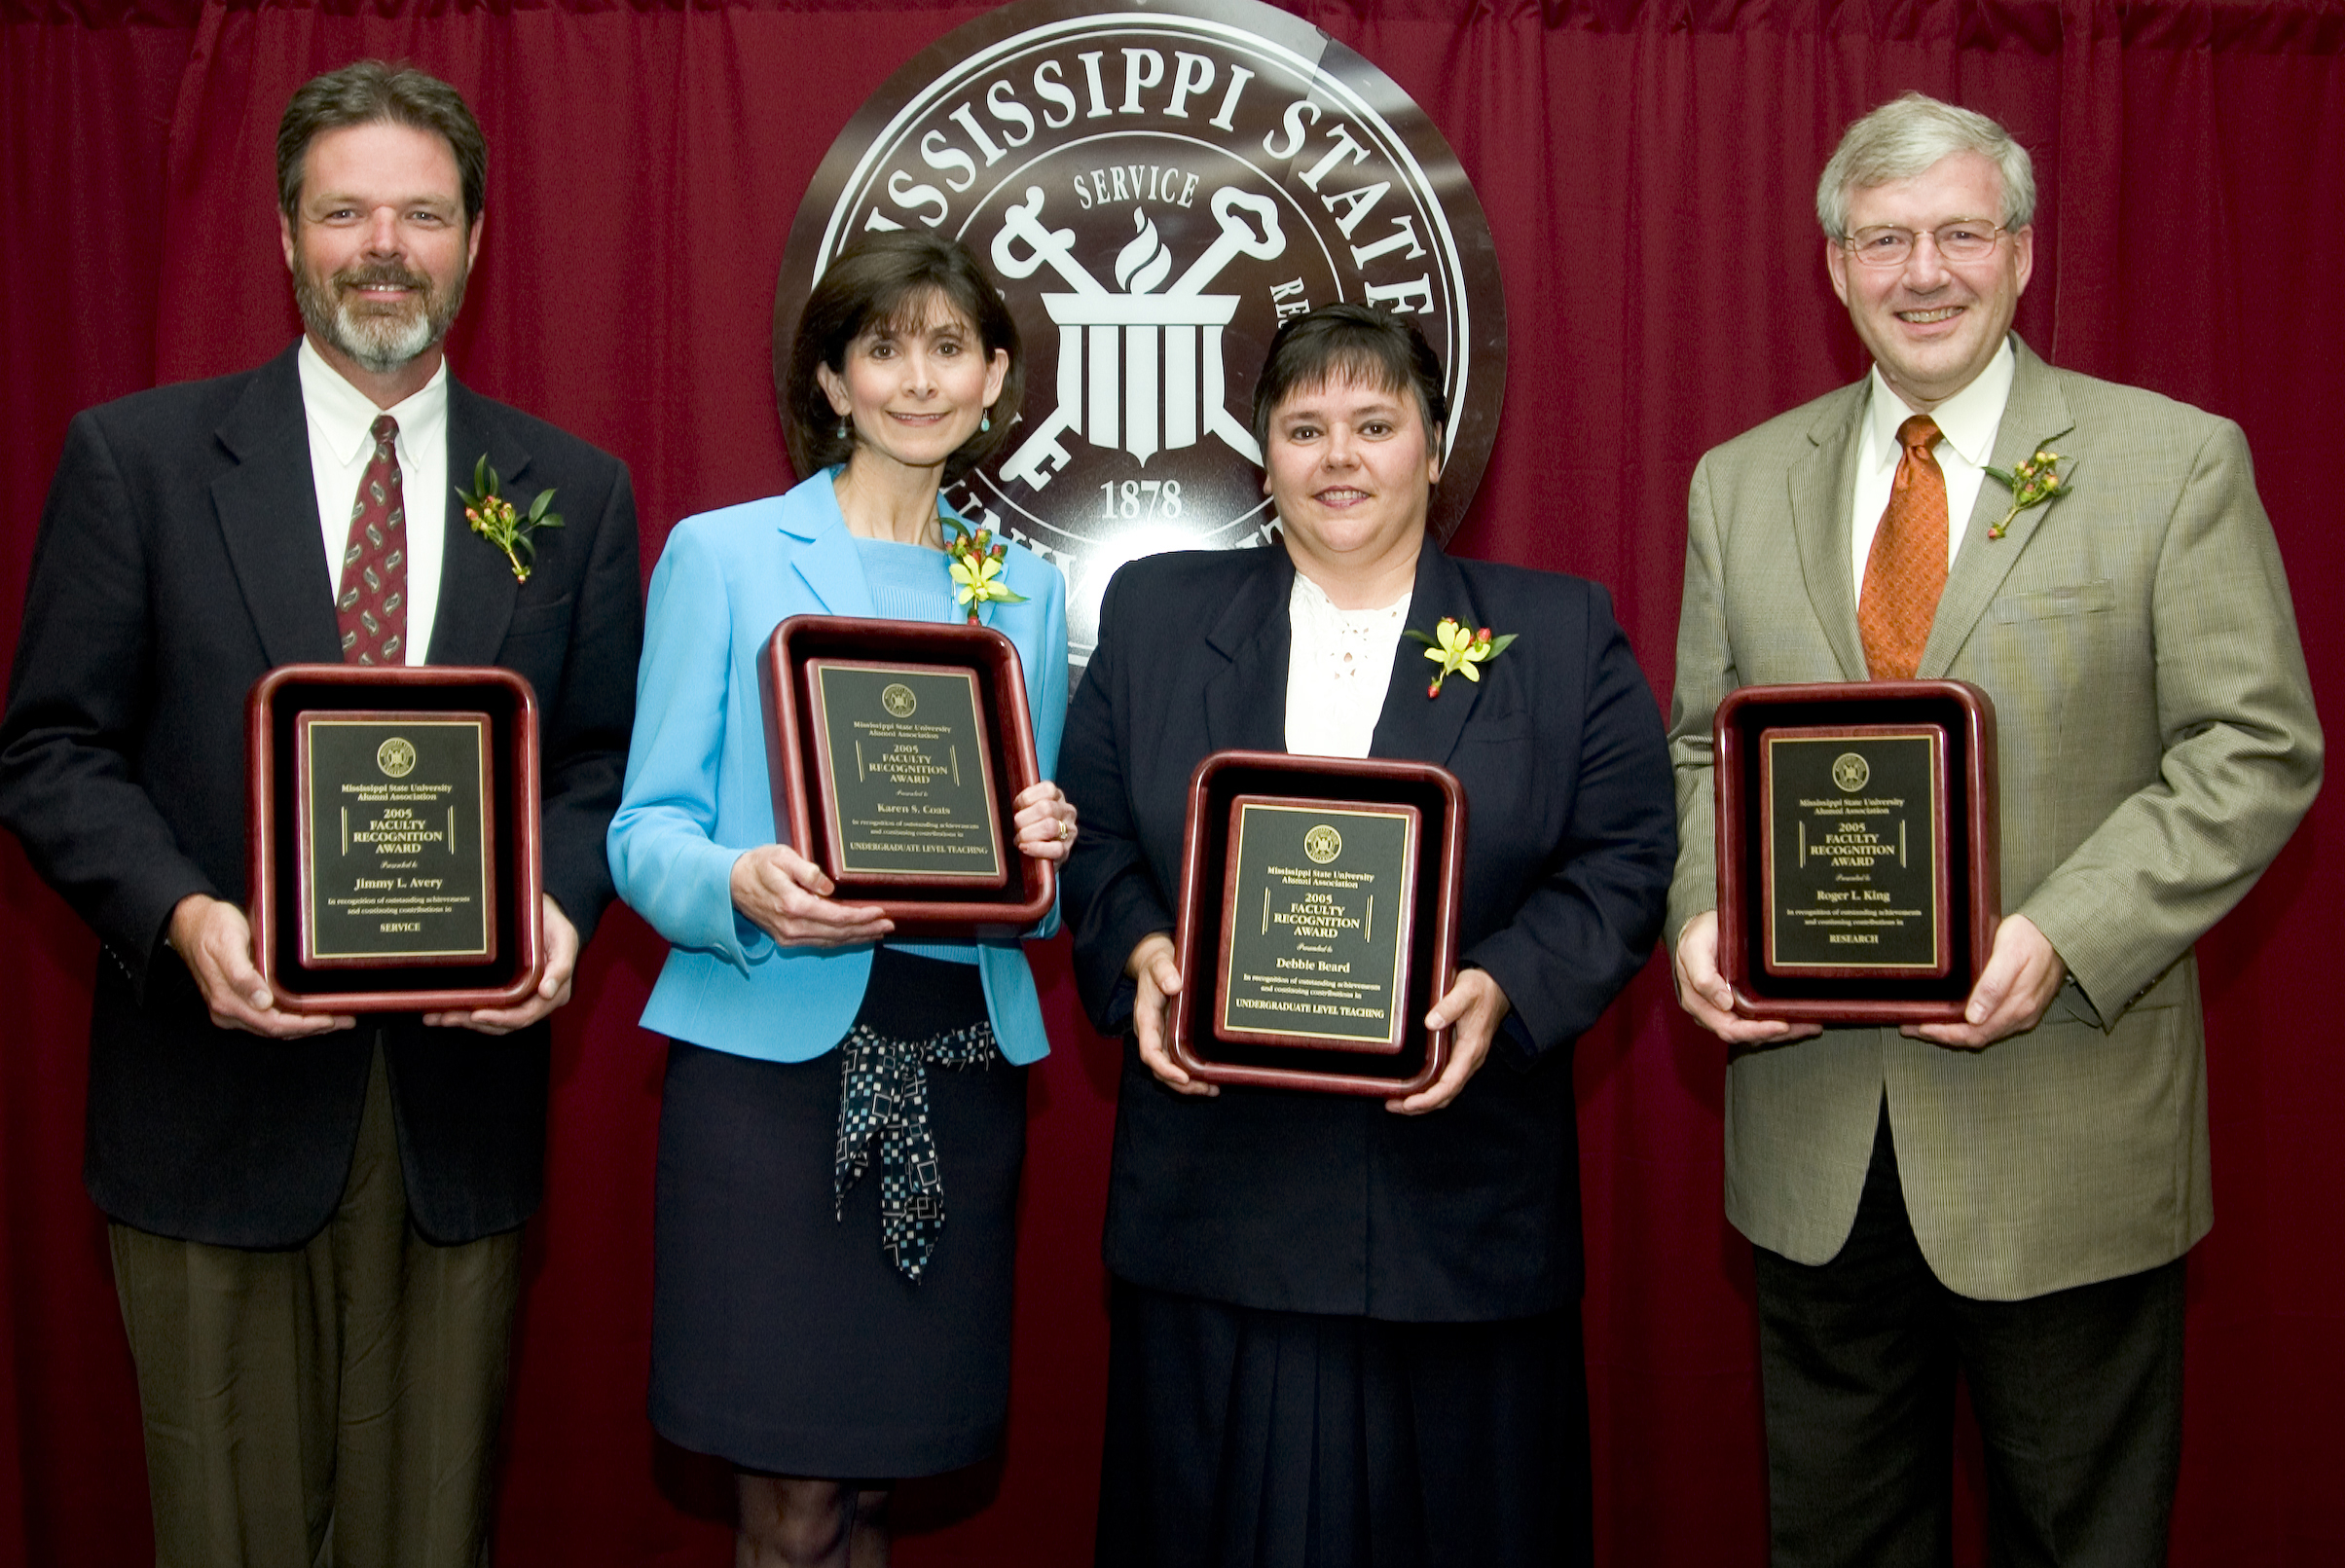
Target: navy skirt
{"type": "Point", "coordinates": [1240, 1438]}
{"type": "Point", "coordinates": [783, 1339]}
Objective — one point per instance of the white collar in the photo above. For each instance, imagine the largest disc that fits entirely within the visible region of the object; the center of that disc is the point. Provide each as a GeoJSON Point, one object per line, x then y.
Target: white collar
{"type": "Point", "coordinates": [1308, 597]}
{"type": "Point", "coordinates": [344, 416]}
{"type": "Point", "coordinates": [1967, 420]}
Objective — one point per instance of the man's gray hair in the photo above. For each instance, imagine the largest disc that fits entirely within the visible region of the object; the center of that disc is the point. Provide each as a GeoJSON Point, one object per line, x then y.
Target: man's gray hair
{"type": "Point", "coordinates": [1906, 136]}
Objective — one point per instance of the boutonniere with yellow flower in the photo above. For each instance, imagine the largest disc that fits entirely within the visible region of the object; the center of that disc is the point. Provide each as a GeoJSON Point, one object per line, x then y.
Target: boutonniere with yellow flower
{"type": "Point", "coordinates": [1459, 651]}
{"type": "Point", "coordinates": [502, 524]}
{"type": "Point", "coordinates": [977, 566]}
{"type": "Point", "coordinates": [2033, 482]}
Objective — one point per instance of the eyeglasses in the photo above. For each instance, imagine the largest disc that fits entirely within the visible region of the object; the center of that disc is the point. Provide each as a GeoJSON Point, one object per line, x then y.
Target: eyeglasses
{"type": "Point", "coordinates": [1966, 239]}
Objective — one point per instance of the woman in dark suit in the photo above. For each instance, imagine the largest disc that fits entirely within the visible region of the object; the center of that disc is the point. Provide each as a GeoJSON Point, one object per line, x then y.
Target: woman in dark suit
{"type": "Point", "coordinates": [1347, 1331]}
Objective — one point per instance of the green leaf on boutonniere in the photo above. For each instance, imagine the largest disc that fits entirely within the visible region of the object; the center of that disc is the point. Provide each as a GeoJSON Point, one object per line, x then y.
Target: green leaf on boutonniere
{"type": "Point", "coordinates": [2034, 480]}
{"type": "Point", "coordinates": [497, 521]}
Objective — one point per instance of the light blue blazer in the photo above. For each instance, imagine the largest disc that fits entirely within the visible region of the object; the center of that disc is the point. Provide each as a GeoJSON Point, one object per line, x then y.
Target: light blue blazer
{"type": "Point", "coordinates": [698, 793]}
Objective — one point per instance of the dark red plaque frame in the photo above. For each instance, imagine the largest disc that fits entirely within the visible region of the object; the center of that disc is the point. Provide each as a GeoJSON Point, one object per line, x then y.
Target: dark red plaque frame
{"type": "Point", "coordinates": [1218, 782]}
{"type": "Point", "coordinates": [273, 899]}
{"type": "Point", "coordinates": [1970, 852]}
{"type": "Point", "coordinates": [917, 908]}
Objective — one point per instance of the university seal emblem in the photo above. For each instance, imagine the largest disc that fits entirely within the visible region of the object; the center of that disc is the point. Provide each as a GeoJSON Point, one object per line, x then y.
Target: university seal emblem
{"type": "Point", "coordinates": [1156, 190]}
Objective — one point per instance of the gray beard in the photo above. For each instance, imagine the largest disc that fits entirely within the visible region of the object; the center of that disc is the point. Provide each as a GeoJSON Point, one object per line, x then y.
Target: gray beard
{"type": "Point", "coordinates": [378, 341]}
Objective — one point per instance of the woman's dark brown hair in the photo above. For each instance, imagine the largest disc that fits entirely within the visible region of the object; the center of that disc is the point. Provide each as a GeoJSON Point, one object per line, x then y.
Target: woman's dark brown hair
{"type": "Point", "coordinates": [1355, 342]}
{"type": "Point", "coordinates": [888, 280]}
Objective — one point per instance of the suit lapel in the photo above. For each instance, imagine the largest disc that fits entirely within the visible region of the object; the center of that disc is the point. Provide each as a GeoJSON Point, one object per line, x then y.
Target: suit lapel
{"type": "Point", "coordinates": [2035, 415]}
{"type": "Point", "coordinates": [1413, 725]}
{"type": "Point", "coordinates": [1822, 486]}
{"type": "Point", "coordinates": [267, 511]}
{"type": "Point", "coordinates": [824, 559]}
{"type": "Point", "coordinates": [1246, 695]}
{"type": "Point", "coordinates": [476, 585]}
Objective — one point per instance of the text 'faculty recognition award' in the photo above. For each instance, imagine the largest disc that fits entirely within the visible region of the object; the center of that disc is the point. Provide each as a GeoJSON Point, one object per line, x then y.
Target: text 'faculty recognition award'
{"type": "Point", "coordinates": [1858, 876]}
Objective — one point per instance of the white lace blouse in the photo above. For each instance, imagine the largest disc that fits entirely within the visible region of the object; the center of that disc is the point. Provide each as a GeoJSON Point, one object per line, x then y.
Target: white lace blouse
{"type": "Point", "coordinates": [1338, 668]}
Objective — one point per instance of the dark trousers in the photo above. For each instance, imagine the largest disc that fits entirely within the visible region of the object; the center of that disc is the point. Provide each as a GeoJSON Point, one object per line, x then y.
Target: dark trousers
{"type": "Point", "coordinates": [335, 1402]}
{"type": "Point", "coordinates": [2078, 1396]}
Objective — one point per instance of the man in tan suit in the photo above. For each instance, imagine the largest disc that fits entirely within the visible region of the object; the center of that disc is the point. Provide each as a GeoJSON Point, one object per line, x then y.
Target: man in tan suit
{"type": "Point", "coordinates": [2011, 1195]}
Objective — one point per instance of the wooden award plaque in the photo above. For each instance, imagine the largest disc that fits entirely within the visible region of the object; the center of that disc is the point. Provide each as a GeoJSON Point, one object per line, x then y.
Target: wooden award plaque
{"type": "Point", "coordinates": [1858, 877]}
{"type": "Point", "coordinates": [896, 748]}
{"type": "Point", "coordinates": [392, 835]}
{"type": "Point", "coordinates": [1318, 922]}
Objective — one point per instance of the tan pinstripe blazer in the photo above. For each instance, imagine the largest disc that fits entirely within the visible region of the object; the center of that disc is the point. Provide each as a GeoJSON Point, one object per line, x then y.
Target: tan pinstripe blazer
{"type": "Point", "coordinates": [2159, 745]}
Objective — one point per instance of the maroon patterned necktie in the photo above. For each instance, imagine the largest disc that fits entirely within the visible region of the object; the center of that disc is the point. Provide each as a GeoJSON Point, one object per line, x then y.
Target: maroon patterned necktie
{"type": "Point", "coordinates": [1906, 570]}
{"type": "Point", "coordinates": [371, 599]}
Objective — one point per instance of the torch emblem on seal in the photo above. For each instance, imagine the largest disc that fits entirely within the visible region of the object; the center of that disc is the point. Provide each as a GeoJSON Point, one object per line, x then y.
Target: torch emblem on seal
{"type": "Point", "coordinates": [1161, 353]}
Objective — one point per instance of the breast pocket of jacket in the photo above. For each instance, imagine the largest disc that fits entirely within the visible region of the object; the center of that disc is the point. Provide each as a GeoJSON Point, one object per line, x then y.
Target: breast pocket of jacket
{"type": "Point", "coordinates": [2095, 598]}
{"type": "Point", "coordinates": [551, 618]}
{"type": "Point", "coordinates": [2057, 635]}
{"type": "Point", "coordinates": [537, 642]}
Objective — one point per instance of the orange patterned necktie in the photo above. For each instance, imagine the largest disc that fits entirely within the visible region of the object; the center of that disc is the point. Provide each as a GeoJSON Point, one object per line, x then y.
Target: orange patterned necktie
{"type": "Point", "coordinates": [371, 599]}
{"type": "Point", "coordinates": [1906, 572]}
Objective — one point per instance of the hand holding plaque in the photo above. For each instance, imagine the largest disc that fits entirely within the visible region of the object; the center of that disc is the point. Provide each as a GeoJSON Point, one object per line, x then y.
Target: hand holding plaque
{"type": "Point", "coordinates": [1857, 874]}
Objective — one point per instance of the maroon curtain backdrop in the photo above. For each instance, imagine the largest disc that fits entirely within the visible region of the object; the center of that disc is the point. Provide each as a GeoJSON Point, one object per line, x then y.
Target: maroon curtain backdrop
{"type": "Point", "coordinates": [1648, 169]}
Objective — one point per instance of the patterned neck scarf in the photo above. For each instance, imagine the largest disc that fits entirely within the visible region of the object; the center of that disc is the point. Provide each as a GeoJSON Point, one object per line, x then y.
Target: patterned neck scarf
{"type": "Point", "coordinates": [884, 1099]}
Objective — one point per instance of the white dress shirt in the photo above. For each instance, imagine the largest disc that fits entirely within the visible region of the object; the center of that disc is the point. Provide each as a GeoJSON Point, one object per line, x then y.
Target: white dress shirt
{"type": "Point", "coordinates": [340, 421]}
{"type": "Point", "coordinates": [1967, 420]}
{"type": "Point", "coordinates": [1338, 668]}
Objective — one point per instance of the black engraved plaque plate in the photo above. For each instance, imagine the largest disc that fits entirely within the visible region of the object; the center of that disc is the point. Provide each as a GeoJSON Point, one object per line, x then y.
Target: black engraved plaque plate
{"type": "Point", "coordinates": [905, 773]}
{"type": "Point", "coordinates": [1316, 915]}
{"type": "Point", "coordinates": [1856, 879]}
{"type": "Point", "coordinates": [394, 838]}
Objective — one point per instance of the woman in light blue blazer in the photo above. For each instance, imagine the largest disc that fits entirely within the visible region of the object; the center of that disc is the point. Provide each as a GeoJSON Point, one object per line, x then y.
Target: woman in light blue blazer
{"type": "Point", "coordinates": [817, 1322]}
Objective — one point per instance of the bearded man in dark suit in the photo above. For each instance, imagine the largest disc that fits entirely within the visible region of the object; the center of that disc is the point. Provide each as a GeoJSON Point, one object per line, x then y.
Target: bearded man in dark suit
{"type": "Point", "coordinates": [315, 1225]}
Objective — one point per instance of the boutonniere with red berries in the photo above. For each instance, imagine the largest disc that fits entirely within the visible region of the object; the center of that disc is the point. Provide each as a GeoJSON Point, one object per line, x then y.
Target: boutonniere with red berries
{"type": "Point", "coordinates": [1459, 651]}
{"type": "Point", "coordinates": [502, 524]}
{"type": "Point", "coordinates": [2033, 482]}
{"type": "Point", "coordinates": [977, 566]}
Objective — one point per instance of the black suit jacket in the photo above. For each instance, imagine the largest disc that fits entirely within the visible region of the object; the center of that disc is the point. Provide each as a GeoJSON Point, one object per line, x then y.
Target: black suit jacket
{"type": "Point", "coordinates": [1332, 1204]}
{"type": "Point", "coordinates": [179, 559]}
